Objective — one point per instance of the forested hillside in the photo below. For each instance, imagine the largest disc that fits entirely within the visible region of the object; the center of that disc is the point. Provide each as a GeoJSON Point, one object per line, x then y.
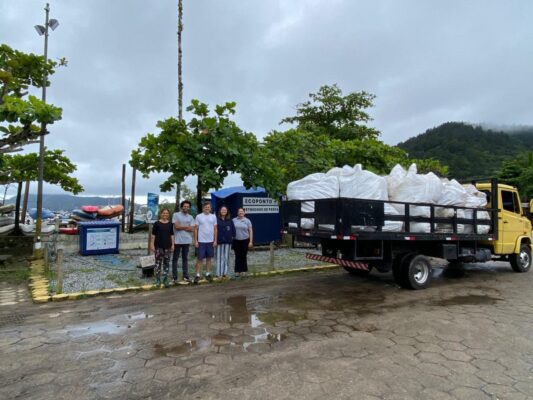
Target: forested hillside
{"type": "Point", "coordinates": [469, 151]}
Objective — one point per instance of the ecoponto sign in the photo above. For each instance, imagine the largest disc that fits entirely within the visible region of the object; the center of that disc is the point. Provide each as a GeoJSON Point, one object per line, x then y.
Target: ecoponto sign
{"type": "Point", "coordinates": [260, 205]}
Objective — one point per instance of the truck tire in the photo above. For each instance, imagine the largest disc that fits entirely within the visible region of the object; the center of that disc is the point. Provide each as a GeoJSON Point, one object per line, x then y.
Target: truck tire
{"type": "Point", "coordinates": [416, 272]}
{"type": "Point", "coordinates": [328, 250]}
{"type": "Point", "coordinates": [521, 262]}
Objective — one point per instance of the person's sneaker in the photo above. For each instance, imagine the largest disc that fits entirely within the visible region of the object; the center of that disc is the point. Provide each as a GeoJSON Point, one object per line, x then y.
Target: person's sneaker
{"type": "Point", "coordinates": [174, 282]}
{"type": "Point", "coordinates": [209, 278]}
{"type": "Point", "coordinates": [157, 282]}
{"type": "Point", "coordinates": [165, 282]}
{"type": "Point", "coordinates": [196, 280]}
{"type": "Point", "coordinates": [187, 279]}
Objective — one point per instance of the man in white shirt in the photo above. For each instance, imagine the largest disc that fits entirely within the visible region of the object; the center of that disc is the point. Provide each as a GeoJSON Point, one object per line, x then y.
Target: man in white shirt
{"type": "Point", "coordinates": [205, 240]}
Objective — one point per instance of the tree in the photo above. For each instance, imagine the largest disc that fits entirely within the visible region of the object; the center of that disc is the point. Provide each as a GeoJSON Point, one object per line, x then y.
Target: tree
{"type": "Point", "coordinates": [332, 114]}
{"type": "Point", "coordinates": [24, 167]}
{"type": "Point", "coordinates": [329, 135]}
{"type": "Point", "coordinates": [57, 170]}
{"type": "Point", "coordinates": [210, 146]}
{"type": "Point", "coordinates": [21, 116]}
{"type": "Point", "coordinates": [519, 172]}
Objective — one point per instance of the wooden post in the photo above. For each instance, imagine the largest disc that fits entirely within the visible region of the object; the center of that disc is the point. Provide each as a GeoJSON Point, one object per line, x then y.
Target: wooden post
{"type": "Point", "coordinates": [132, 205]}
{"type": "Point", "coordinates": [46, 255]}
{"type": "Point", "coordinates": [123, 197]}
{"type": "Point", "coordinates": [272, 267]}
{"type": "Point", "coordinates": [25, 202]}
{"type": "Point", "coordinates": [149, 237]}
{"type": "Point", "coordinates": [59, 284]}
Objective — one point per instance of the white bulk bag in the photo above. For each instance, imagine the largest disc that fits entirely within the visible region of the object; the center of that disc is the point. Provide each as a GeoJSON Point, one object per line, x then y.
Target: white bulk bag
{"type": "Point", "coordinates": [361, 184]}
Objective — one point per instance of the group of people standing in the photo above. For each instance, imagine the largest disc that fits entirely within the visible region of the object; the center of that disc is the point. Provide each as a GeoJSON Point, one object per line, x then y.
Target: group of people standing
{"type": "Point", "coordinates": [209, 234]}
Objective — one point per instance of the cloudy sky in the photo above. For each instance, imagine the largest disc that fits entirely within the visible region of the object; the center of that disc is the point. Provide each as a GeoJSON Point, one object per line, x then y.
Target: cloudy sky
{"type": "Point", "coordinates": [427, 62]}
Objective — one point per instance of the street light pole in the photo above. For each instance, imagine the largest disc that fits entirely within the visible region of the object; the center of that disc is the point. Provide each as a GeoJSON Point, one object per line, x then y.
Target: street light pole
{"type": "Point", "coordinates": [49, 23]}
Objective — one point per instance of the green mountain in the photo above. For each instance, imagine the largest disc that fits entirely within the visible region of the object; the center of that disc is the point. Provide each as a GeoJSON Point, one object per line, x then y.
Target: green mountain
{"type": "Point", "coordinates": [470, 151]}
{"type": "Point", "coordinates": [66, 202]}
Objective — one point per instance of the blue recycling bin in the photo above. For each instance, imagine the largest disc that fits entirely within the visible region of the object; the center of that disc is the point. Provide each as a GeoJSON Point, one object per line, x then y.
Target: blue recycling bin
{"type": "Point", "coordinates": [99, 237]}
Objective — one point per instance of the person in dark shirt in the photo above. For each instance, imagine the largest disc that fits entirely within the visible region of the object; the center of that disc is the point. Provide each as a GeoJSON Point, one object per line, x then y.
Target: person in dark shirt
{"type": "Point", "coordinates": [225, 235]}
{"type": "Point", "coordinates": [162, 244]}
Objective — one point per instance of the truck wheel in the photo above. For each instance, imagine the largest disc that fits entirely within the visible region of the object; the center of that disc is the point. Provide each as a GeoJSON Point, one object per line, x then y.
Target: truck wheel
{"type": "Point", "coordinates": [358, 272]}
{"type": "Point", "coordinates": [328, 250]}
{"type": "Point", "coordinates": [416, 272]}
{"type": "Point", "coordinates": [521, 262]}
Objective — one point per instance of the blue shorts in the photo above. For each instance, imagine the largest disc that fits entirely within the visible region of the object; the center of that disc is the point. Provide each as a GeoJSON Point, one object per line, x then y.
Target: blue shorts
{"type": "Point", "coordinates": [205, 250]}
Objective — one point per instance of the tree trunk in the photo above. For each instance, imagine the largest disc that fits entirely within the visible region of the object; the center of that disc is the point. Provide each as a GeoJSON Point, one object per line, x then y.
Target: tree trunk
{"type": "Point", "coordinates": [180, 85]}
{"type": "Point", "coordinates": [199, 195]}
{"type": "Point", "coordinates": [124, 197]}
{"type": "Point", "coordinates": [132, 205]}
{"type": "Point", "coordinates": [17, 209]}
{"type": "Point", "coordinates": [25, 202]}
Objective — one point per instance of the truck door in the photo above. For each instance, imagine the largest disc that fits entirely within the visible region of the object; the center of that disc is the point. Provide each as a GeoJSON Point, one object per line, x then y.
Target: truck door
{"type": "Point", "coordinates": [511, 223]}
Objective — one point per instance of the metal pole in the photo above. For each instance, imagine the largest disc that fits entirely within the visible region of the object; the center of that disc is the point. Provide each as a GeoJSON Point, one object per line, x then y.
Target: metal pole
{"type": "Point", "coordinates": [38, 224]}
{"type": "Point", "coordinates": [132, 205]}
{"type": "Point", "coordinates": [123, 197]}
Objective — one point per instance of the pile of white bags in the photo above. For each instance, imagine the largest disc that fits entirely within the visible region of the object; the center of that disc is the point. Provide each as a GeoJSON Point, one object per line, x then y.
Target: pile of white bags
{"type": "Point", "coordinates": [315, 186]}
{"type": "Point", "coordinates": [400, 185]}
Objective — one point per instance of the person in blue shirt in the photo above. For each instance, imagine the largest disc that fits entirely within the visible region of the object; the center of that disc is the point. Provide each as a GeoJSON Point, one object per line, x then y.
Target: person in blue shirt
{"type": "Point", "coordinates": [225, 235]}
{"type": "Point", "coordinates": [244, 240]}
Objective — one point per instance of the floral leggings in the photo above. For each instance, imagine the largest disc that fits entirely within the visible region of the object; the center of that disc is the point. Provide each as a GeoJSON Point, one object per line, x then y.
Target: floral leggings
{"type": "Point", "coordinates": [162, 258]}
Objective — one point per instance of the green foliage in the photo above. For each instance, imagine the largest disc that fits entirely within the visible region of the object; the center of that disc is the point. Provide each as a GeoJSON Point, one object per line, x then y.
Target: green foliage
{"type": "Point", "coordinates": [329, 134]}
{"type": "Point", "coordinates": [332, 114]}
{"type": "Point", "coordinates": [209, 146]}
{"type": "Point", "coordinates": [519, 172]}
{"type": "Point", "coordinates": [57, 170]}
{"type": "Point", "coordinates": [469, 151]}
{"type": "Point", "coordinates": [18, 72]}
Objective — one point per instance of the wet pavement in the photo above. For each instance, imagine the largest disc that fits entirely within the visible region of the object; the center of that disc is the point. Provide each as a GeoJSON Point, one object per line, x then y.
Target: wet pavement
{"type": "Point", "coordinates": [310, 335]}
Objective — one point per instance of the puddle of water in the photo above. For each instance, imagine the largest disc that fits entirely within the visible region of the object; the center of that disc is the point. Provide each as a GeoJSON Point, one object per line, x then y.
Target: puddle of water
{"type": "Point", "coordinates": [466, 300]}
{"type": "Point", "coordinates": [139, 316]}
{"type": "Point", "coordinates": [96, 327]}
{"type": "Point", "coordinates": [122, 324]}
{"type": "Point", "coordinates": [186, 347]}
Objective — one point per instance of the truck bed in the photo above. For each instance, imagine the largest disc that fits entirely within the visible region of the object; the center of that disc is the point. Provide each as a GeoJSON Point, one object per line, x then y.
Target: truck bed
{"type": "Point", "coordinates": [361, 219]}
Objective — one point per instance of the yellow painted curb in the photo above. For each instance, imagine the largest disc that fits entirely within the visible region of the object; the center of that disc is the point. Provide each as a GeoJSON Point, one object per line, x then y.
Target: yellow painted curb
{"type": "Point", "coordinates": [41, 299]}
{"type": "Point", "coordinates": [60, 297]}
{"type": "Point", "coordinates": [75, 295]}
{"type": "Point", "coordinates": [148, 287]}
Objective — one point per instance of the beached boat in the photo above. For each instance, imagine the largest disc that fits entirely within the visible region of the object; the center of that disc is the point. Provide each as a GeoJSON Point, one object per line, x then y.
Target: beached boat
{"type": "Point", "coordinates": [46, 214]}
{"type": "Point", "coordinates": [7, 229]}
{"type": "Point", "coordinates": [80, 215]}
{"type": "Point", "coordinates": [29, 229]}
{"type": "Point", "coordinates": [7, 208]}
{"type": "Point", "coordinates": [69, 231]}
{"type": "Point", "coordinates": [89, 209]}
{"type": "Point", "coordinates": [110, 211]}
{"type": "Point", "coordinates": [6, 220]}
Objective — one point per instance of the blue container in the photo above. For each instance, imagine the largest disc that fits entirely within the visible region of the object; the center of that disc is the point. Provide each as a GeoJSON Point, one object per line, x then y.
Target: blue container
{"type": "Point", "coordinates": [99, 237]}
{"type": "Point", "coordinates": [259, 207]}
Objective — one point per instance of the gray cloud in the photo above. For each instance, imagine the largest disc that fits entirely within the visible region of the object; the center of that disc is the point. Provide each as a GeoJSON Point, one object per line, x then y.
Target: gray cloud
{"type": "Point", "coordinates": [427, 62]}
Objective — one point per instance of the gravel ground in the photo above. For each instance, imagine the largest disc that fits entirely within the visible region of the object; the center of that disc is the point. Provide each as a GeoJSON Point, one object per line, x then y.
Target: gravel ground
{"type": "Point", "coordinates": [83, 273]}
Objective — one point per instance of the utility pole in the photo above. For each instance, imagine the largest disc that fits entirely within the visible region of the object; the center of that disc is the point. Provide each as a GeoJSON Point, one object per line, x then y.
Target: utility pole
{"type": "Point", "coordinates": [42, 30]}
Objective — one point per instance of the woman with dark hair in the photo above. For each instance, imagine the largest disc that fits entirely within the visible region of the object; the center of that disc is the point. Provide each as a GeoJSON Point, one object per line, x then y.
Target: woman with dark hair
{"type": "Point", "coordinates": [162, 244]}
{"type": "Point", "coordinates": [244, 239]}
{"type": "Point", "coordinates": [225, 235]}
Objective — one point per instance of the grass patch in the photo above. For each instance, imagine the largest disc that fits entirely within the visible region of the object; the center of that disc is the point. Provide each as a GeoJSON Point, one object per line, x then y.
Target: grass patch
{"type": "Point", "coordinates": [86, 270]}
{"type": "Point", "coordinates": [122, 281]}
{"type": "Point", "coordinates": [17, 276]}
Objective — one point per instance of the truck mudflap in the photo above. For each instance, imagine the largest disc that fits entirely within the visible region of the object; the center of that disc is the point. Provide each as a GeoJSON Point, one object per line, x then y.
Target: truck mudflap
{"type": "Point", "coordinates": [338, 261]}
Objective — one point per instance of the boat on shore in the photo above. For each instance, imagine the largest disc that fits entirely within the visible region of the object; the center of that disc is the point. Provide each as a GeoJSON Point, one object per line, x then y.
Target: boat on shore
{"type": "Point", "coordinates": [29, 229]}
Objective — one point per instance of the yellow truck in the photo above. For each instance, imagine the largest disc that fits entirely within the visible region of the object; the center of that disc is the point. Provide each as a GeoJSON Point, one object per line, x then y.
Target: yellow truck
{"type": "Point", "coordinates": [351, 233]}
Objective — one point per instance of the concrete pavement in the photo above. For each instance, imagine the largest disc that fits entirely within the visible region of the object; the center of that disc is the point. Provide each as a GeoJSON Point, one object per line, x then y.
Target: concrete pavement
{"type": "Point", "coordinates": [311, 335]}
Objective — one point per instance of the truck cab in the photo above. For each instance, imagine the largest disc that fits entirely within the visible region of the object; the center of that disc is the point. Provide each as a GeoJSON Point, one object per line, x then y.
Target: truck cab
{"type": "Point", "coordinates": [512, 225]}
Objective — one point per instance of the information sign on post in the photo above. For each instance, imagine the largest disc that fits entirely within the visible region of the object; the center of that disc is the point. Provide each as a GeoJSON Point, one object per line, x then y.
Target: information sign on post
{"type": "Point", "coordinates": [260, 205]}
{"type": "Point", "coordinates": [153, 207]}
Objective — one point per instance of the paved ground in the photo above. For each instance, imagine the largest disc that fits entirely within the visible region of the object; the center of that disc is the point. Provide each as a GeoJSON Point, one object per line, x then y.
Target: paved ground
{"type": "Point", "coordinates": [310, 335]}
